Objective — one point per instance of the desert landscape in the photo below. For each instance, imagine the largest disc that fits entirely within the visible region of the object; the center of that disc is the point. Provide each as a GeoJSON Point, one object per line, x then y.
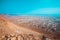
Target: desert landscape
{"type": "Point", "coordinates": [29, 28]}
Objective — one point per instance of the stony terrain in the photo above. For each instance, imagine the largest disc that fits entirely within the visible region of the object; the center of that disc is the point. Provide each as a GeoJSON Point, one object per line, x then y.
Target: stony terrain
{"type": "Point", "coordinates": [28, 28]}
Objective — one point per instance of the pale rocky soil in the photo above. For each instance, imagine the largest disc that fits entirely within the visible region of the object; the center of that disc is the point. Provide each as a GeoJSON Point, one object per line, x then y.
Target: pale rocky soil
{"type": "Point", "coordinates": [26, 28]}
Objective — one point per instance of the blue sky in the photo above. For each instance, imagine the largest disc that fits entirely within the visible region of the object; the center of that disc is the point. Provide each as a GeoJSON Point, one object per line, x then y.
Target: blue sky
{"type": "Point", "coordinates": [23, 7]}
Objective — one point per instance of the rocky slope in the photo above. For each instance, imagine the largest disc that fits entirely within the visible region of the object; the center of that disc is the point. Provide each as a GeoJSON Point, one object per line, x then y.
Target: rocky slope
{"type": "Point", "coordinates": [34, 25]}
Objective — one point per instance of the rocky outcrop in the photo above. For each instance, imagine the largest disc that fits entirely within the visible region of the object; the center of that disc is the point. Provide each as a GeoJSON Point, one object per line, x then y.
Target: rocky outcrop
{"type": "Point", "coordinates": [31, 30]}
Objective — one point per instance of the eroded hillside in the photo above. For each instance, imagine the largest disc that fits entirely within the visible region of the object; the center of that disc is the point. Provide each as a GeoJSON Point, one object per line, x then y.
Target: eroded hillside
{"type": "Point", "coordinates": [28, 28]}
